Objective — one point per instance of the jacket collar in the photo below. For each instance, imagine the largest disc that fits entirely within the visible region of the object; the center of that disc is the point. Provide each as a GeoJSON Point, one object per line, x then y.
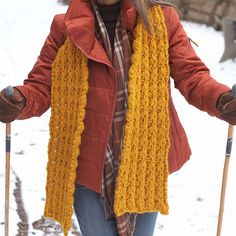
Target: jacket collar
{"type": "Point", "coordinates": [129, 15]}
{"type": "Point", "coordinates": [80, 27]}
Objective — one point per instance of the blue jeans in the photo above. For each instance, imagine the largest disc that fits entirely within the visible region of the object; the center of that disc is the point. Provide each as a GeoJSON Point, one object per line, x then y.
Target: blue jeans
{"type": "Point", "coordinates": [91, 217]}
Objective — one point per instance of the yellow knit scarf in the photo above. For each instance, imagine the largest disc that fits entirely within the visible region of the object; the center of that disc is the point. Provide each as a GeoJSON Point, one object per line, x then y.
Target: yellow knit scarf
{"type": "Point", "coordinates": [141, 184]}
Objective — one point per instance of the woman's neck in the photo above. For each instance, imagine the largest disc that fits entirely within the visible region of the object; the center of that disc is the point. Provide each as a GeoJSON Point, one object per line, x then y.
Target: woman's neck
{"type": "Point", "coordinates": [107, 2]}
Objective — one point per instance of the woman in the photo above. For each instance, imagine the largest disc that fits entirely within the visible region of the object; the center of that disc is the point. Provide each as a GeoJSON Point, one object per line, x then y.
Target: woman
{"type": "Point", "coordinates": [114, 133]}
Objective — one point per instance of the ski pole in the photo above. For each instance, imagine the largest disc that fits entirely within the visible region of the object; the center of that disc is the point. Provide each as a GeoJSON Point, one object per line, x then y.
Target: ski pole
{"type": "Point", "coordinates": [9, 93]}
{"type": "Point", "coordinates": [225, 171]}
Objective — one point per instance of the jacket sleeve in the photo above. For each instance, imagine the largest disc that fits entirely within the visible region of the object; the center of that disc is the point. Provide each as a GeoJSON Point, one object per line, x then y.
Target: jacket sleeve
{"type": "Point", "coordinates": [190, 74]}
{"type": "Point", "coordinates": [37, 86]}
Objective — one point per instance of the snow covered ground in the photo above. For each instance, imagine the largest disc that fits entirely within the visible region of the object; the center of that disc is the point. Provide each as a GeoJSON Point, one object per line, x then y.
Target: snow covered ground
{"type": "Point", "coordinates": [194, 191]}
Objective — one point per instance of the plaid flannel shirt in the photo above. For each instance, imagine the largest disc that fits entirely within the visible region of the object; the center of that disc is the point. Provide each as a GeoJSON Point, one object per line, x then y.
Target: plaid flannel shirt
{"type": "Point", "coordinates": [121, 59]}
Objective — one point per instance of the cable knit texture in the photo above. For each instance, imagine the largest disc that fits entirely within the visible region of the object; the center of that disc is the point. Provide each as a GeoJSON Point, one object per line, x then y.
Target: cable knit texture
{"type": "Point", "coordinates": [141, 184]}
{"type": "Point", "coordinates": [68, 101]}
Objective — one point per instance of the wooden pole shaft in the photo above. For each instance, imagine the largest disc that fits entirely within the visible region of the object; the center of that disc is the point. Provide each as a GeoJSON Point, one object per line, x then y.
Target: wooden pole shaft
{"type": "Point", "coordinates": [7, 177]}
{"type": "Point", "coordinates": [222, 197]}
{"type": "Point", "coordinates": [225, 178]}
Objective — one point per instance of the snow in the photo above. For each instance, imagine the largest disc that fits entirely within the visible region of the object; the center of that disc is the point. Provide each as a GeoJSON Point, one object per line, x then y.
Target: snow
{"type": "Point", "coordinates": [194, 191]}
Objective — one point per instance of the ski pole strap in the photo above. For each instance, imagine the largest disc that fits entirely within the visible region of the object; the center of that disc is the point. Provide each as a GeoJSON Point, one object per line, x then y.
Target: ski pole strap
{"type": "Point", "coordinates": [229, 147]}
{"type": "Point", "coordinates": [8, 140]}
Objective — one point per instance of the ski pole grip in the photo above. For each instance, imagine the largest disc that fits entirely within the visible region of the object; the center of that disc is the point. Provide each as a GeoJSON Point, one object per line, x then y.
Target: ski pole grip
{"type": "Point", "coordinates": [231, 129]}
{"type": "Point", "coordinates": [234, 90]}
{"type": "Point", "coordinates": [9, 91]}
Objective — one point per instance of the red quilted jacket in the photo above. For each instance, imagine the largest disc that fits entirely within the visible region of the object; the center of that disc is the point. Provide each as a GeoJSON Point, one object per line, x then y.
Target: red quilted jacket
{"type": "Point", "coordinates": [190, 76]}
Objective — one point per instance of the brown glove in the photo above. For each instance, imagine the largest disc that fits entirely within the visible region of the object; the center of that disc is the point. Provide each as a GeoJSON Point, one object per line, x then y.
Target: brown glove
{"type": "Point", "coordinates": [10, 107]}
{"type": "Point", "coordinates": [226, 106]}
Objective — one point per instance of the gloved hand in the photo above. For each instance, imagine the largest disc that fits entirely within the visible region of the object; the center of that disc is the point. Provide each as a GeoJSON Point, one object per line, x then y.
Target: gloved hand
{"type": "Point", "coordinates": [226, 106]}
{"type": "Point", "coordinates": [10, 107]}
